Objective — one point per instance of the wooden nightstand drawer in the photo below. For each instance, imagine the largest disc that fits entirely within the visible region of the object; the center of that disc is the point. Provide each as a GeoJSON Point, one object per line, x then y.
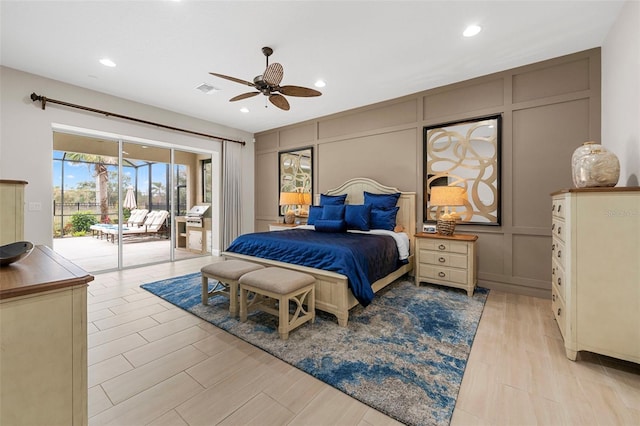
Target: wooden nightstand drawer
{"type": "Point", "coordinates": [445, 245]}
{"type": "Point", "coordinates": [442, 259]}
{"type": "Point", "coordinates": [435, 274]}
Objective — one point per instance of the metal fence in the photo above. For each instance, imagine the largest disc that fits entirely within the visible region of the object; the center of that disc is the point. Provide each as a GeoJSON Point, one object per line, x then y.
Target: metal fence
{"type": "Point", "coordinates": [62, 213]}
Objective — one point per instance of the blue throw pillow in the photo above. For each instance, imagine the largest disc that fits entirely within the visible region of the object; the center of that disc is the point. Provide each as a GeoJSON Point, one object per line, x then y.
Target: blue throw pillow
{"type": "Point", "coordinates": [315, 213]}
{"type": "Point", "coordinates": [332, 200]}
{"type": "Point", "coordinates": [381, 201]}
{"type": "Point", "coordinates": [357, 216]}
{"type": "Point", "coordinates": [332, 212]}
{"type": "Point", "coordinates": [325, 225]}
{"type": "Point", "coordinates": [384, 219]}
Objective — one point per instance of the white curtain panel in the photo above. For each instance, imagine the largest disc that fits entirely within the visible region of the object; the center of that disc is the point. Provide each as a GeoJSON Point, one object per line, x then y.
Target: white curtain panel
{"type": "Point", "coordinates": [231, 192]}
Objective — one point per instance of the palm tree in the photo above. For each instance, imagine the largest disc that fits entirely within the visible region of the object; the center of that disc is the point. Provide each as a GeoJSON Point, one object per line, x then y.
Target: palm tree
{"type": "Point", "coordinates": [100, 172]}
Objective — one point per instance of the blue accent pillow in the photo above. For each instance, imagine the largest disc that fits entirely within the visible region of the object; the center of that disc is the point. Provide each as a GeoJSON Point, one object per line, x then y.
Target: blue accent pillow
{"type": "Point", "coordinates": [381, 201]}
{"type": "Point", "coordinates": [332, 200]}
{"type": "Point", "coordinates": [384, 219]}
{"type": "Point", "coordinates": [332, 212]}
{"type": "Point", "coordinates": [357, 216]}
{"type": "Point", "coordinates": [315, 213]}
{"type": "Point", "coordinates": [325, 225]}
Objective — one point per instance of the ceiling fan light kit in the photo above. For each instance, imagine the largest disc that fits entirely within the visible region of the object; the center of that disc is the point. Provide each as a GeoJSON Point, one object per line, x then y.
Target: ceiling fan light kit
{"type": "Point", "coordinates": [269, 85]}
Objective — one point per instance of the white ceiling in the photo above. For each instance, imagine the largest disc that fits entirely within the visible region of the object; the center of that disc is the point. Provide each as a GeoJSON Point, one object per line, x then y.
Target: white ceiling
{"type": "Point", "coordinates": [367, 51]}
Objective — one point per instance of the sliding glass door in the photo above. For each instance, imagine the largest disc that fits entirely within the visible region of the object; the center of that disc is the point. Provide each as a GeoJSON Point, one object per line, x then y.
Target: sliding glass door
{"type": "Point", "coordinates": [119, 204]}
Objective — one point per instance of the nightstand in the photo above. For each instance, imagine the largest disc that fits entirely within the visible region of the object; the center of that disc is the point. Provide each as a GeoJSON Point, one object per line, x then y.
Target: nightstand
{"type": "Point", "coordinates": [446, 260]}
{"type": "Point", "coordinates": [282, 226]}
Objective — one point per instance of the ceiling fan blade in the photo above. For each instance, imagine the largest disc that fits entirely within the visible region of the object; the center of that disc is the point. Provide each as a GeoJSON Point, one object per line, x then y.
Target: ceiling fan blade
{"type": "Point", "coordinates": [273, 74]}
{"type": "Point", "coordinates": [298, 91]}
{"type": "Point", "coordinates": [237, 80]}
{"type": "Point", "coordinates": [279, 101]}
{"type": "Point", "coordinates": [243, 96]}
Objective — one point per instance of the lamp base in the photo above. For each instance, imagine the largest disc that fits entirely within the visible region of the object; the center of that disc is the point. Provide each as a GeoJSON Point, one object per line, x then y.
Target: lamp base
{"type": "Point", "coordinates": [445, 226]}
{"type": "Point", "coordinates": [289, 217]}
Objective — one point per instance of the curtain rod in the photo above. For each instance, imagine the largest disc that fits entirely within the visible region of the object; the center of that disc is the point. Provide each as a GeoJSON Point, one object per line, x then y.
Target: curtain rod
{"type": "Point", "coordinates": [44, 100]}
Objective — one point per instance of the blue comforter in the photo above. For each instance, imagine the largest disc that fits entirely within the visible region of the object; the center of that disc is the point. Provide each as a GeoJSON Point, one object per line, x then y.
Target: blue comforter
{"type": "Point", "coordinates": [363, 258]}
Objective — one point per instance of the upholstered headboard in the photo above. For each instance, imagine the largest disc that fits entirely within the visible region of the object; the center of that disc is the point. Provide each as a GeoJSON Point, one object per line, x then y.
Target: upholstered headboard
{"type": "Point", "coordinates": [354, 188]}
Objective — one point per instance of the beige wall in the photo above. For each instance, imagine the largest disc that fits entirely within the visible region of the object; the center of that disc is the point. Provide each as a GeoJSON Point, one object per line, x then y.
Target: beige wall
{"type": "Point", "coordinates": [548, 108]}
{"type": "Point", "coordinates": [26, 139]}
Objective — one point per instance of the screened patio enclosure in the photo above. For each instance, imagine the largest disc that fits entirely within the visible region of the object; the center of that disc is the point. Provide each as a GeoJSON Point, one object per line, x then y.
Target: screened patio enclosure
{"type": "Point", "coordinates": [97, 184]}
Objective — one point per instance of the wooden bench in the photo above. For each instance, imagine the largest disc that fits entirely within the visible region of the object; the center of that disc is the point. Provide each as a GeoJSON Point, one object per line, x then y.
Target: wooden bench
{"type": "Point", "coordinates": [273, 284]}
{"type": "Point", "coordinates": [227, 275]}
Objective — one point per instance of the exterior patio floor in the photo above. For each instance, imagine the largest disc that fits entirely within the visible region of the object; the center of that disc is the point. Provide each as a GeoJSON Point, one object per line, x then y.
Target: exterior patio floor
{"type": "Point", "coordinates": [93, 254]}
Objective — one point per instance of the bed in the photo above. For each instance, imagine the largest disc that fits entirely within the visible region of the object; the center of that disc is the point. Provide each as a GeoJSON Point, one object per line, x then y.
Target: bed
{"type": "Point", "coordinates": [333, 294]}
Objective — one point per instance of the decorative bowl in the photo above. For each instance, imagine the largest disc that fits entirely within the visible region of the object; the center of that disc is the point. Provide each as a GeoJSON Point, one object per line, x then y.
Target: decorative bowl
{"type": "Point", "coordinates": [13, 252]}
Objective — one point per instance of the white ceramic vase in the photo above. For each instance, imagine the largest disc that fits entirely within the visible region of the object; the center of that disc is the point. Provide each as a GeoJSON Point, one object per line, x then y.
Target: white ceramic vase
{"type": "Point", "coordinates": [592, 165]}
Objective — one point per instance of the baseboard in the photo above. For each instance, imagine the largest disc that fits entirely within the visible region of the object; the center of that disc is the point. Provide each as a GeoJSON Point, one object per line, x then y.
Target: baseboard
{"type": "Point", "coordinates": [516, 288]}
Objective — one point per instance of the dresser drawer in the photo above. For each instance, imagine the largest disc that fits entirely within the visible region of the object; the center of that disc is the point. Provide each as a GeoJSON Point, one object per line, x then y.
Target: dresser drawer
{"type": "Point", "coordinates": [435, 273]}
{"type": "Point", "coordinates": [434, 258]}
{"type": "Point", "coordinates": [558, 229]}
{"type": "Point", "coordinates": [557, 277]}
{"type": "Point", "coordinates": [557, 207]}
{"type": "Point", "coordinates": [444, 245]}
{"type": "Point", "coordinates": [558, 252]}
{"type": "Point", "coordinates": [559, 312]}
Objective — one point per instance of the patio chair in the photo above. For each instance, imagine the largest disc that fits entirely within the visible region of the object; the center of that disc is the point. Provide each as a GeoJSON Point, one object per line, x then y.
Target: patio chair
{"type": "Point", "coordinates": [154, 224]}
{"type": "Point", "coordinates": [136, 218]}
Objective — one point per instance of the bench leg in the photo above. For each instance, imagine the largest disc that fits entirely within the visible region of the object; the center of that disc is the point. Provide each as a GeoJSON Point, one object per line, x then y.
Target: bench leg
{"type": "Point", "coordinates": [243, 304]}
{"type": "Point", "coordinates": [205, 290]}
{"type": "Point", "coordinates": [283, 317]}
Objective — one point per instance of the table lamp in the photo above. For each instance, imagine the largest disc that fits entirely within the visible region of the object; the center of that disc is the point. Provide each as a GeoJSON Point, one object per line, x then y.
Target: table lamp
{"type": "Point", "coordinates": [289, 199]}
{"type": "Point", "coordinates": [304, 200]}
{"type": "Point", "coordinates": [447, 196]}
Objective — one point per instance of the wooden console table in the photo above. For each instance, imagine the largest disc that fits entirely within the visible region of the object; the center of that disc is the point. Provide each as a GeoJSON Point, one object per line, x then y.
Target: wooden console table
{"type": "Point", "coordinates": [43, 319]}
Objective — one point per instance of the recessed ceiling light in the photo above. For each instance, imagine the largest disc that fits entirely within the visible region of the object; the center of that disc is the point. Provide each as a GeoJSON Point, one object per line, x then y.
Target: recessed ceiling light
{"type": "Point", "coordinates": [472, 30]}
{"type": "Point", "coordinates": [107, 62]}
{"type": "Point", "coordinates": [320, 83]}
{"type": "Point", "coordinates": [244, 109]}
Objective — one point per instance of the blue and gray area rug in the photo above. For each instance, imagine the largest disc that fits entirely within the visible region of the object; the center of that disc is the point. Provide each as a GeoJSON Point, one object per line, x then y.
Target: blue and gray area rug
{"type": "Point", "coordinates": [403, 355]}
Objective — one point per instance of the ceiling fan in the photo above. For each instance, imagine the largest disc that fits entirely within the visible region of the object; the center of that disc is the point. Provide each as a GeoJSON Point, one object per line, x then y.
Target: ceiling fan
{"type": "Point", "coordinates": [269, 85]}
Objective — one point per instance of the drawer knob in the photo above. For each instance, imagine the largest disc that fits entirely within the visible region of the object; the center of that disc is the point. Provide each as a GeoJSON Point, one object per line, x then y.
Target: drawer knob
{"type": "Point", "coordinates": [442, 247]}
{"type": "Point", "coordinates": [553, 247]}
{"type": "Point", "coordinates": [553, 297]}
{"type": "Point", "coordinates": [559, 208]}
{"type": "Point", "coordinates": [553, 207]}
{"type": "Point", "coordinates": [442, 260]}
{"type": "Point", "coordinates": [553, 271]}
{"type": "Point", "coordinates": [442, 274]}
{"type": "Point", "coordinates": [559, 311]}
{"type": "Point", "coordinates": [559, 230]}
{"type": "Point", "coordinates": [559, 280]}
{"type": "Point", "coordinates": [553, 226]}
{"type": "Point", "coordinates": [559, 253]}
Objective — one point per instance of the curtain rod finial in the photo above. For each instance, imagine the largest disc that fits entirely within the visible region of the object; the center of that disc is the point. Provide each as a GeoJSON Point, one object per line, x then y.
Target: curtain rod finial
{"type": "Point", "coordinates": [42, 99]}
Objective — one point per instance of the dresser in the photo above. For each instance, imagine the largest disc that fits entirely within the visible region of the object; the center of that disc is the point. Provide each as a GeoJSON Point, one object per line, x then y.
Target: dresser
{"type": "Point", "coordinates": [446, 260]}
{"type": "Point", "coordinates": [11, 211]}
{"type": "Point", "coordinates": [43, 312]}
{"type": "Point", "coordinates": [595, 290]}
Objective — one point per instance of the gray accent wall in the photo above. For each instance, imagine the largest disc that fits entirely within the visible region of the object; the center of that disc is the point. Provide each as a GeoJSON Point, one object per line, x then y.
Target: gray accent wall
{"type": "Point", "coordinates": [548, 108]}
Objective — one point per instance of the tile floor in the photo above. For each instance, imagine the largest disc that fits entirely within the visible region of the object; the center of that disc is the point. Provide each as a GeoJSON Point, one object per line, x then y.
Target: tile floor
{"type": "Point", "coordinates": [151, 363]}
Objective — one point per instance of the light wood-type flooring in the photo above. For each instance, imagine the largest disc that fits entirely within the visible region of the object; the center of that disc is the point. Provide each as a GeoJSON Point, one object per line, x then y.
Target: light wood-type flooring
{"type": "Point", "coordinates": [152, 363]}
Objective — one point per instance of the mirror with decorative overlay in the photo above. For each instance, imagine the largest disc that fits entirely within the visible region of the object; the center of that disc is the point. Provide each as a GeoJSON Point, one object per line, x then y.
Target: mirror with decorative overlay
{"type": "Point", "coordinates": [465, 154]}
{"type": "Point", "coordinates": [296, 174]}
